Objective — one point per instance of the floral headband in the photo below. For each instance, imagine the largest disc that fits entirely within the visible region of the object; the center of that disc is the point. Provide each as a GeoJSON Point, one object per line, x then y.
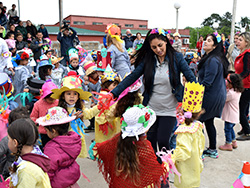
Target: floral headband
{"type": "Point", "coordinates": [159, 31]}
{"type": "Point", "coordinates": [23, 56]}
{"type": "Point", "coordinates": [218, 37]}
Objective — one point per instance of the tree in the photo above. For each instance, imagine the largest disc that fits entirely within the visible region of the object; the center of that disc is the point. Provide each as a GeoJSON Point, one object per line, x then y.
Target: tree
{"type": "Point", "coordinates": [244, 22]}
{"type": "Point", "coordinates": [210, 20]}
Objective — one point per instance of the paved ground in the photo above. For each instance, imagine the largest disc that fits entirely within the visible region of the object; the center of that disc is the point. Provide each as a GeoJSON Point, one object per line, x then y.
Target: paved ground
{"type": "Point", "coordinates": [217, 173]}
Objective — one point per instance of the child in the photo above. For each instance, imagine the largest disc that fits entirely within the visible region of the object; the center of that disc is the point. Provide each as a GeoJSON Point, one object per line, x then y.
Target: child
{"type": "Point", "coordinates": [190, 139]}
{"type": "Point", "coordinates": [71, 98]}
{"type": "Point", "coordinates": [74, 62]}
{"type": "Point", "coordinates": [193, 64]}
{"type": "Point", "coordinates": [31, 165]}
{"type": "Point", "coordinates": [64, 171]}
{"type": "Point", "coordinates": [230, 113]}
{"type": "Point", "coordinates": [41, 107]}
{"type": "Point", "coordinates": [45, 68]}
{"type": "Point", "coordinates": [10, 40]}
{"type": "Point", "coordinates": [128, 159]}
{"type": "Point", "coordinates": [5, 154]}
{"type": "Point", "coordinates": [58, 72]}
{"type": "Point", "coordinates": [22, 73]}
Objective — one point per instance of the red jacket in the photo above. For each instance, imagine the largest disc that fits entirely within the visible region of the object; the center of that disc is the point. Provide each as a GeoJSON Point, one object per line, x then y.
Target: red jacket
{"type": "Point", "coordinates": [199, 45]}
{"type": "Point", "coordinates": [242, 67]}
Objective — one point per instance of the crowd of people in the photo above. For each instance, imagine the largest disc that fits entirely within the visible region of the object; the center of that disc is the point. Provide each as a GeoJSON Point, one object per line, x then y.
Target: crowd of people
{"type": "Point", "coordinates": [133, 95]}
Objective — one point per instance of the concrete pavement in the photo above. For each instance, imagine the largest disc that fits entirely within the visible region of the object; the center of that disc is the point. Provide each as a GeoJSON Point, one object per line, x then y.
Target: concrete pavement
{"type": "Point", "coordinates": [217, 173]}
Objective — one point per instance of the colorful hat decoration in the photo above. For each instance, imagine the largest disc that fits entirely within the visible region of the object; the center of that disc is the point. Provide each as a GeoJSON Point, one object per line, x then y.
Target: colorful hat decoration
{"type": "Point", "coordinates": [159, 31]}
{"type": "Point", "coordinates": [193, 96]}
{"type": "Point", "coordinates": [195, 55]}
{"type": "Point", "coordinates": [82, 54]}
{"type": "Point", "coordinates": [109, 75]}
{"type": "Point", "coordinates": [137, 120]}
{"type": "Point", "coordinates": [89, 67]}
{"type": "Point", "coordinates": [55, 116]}
{"type": "Point", "coordinates": [55, 59]}
{"type": "Point", "coordinates": [6, 85]}
{"type": "Point", "coordinates": [72, 53]}
{"type": "Point", "coordinates": [47, 88]}
{"type": "Point", "coordinates": [114, 31]}
{"type": "Point", "coordinates": [218, 37]}
{"type": "Point", "coordinates": [44, 61]}
{"type": "Point", "coordinates": [72, 83]}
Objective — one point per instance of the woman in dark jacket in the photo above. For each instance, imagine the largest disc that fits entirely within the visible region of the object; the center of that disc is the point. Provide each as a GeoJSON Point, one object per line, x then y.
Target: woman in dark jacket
{"type": "Point", "coordinates": [160, 66]}
{"type": "Point", "coordinates": [31, 28]}
{"type": "Point", "coordinates": [3, 19]}
{"type": "Point", "coordinates": [212, 70]}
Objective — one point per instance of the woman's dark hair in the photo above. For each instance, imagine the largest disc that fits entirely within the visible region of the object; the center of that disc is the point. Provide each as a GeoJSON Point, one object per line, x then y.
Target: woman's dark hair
{"type": "Point", "coordinates": [128, 100]}
{"type": "Point", "coordinates": [62, 103]}
{"type": "Point", "coordinates": [217, 52]}
{"type": "Point", "coordinates": [146, 54]}
{"type": "Point", "coordinates": [18, 113]}
{"type": "Point", "coordinates": [195, 116]}
{"type": "Point", "coordinates": [127, 159]}
{"type": "Point", "coordinates": [25, 132]}
{"type": "Point", "coordinates": [236, 81]}
{"type": "Point", "coordinates": [61, 129]}
{"type": "Point", "coordinates": [43, 71]}
{"type": "Point", "coordinates": [106, 84]}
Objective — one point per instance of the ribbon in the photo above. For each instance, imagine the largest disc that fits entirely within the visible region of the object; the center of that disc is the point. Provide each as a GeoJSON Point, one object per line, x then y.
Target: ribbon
{"type": "Point", "coordinates": [91, 153]}
{"type": "Point", "coordinates": [104, 128]}
{"type": "Point", "coordinates": [188, 115]}
{"type": "Point", "coordinates": [77, 123]}
{"type": "Point", "coordinates": [103, 101]}
{"type": "Point", "coordinates": [4, 184]}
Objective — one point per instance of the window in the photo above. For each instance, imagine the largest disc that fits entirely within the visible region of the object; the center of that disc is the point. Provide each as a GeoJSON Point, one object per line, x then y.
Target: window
{"type": "Point", "coordinates": [78, 23]}
{"type": "Point", "coordinates": [142, 26]}
{"type": "Point", "coordinates": [97, 23]}
{"type": "Point", "coordinates": [129, 25]}
{"type": "Point", "coordinates": [116, 24]}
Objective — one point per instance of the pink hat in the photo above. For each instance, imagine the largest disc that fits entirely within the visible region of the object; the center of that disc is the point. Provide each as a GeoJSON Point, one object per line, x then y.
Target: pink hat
{"type": "Point", "coordinates": [46, 89]}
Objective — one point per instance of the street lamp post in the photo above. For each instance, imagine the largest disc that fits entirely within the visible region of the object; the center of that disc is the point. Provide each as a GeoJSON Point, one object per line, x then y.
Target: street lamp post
{"type": "Point", "coordinates": [215, 26]}
{"type": "Point", "coordinates": [233, 22]}
{"type": "Point", "coordinates": [177, 6]}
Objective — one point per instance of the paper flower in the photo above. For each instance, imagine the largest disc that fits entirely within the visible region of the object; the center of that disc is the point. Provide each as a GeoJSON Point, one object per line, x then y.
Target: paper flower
{"type": "Point", "coordinates": [47, 116]}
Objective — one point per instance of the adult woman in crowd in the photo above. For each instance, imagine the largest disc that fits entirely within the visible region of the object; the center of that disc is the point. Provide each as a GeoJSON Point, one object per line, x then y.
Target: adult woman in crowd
{"type": "Point", "coordinates": [160, 65]}
{"type": "Point", "coordinates": [212, 70]}
{"type": "Point", "coordinates": [12, 29]}
{"type": "Point", "coordinates": [120, 58]}
{"type": "Point", "coordinates": [138, 41]}
{"type": "Point", "coordinates": [31, 28]}
{"type": "Point", "coordinates": [242, 67]}
{"type": "Point", "coordinates": [233, 52]}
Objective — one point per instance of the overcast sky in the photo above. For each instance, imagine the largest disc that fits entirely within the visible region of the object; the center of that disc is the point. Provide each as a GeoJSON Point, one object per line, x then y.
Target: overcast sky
{"type": "Point", "coordinates": [159, 13]}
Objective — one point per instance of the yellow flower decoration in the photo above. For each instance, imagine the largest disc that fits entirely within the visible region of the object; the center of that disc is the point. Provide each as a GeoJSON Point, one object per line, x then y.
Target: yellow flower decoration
{"type": "Point", "coordinates": [47, 116]}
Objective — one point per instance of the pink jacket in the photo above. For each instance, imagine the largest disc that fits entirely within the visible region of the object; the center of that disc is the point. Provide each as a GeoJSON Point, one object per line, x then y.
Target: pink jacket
{"type": "Point", "coordinates": [63, 151]}
{"type": "Point", "coordinates": [40, 109]}
{"type": "Point", "coordinates": [230, 111]}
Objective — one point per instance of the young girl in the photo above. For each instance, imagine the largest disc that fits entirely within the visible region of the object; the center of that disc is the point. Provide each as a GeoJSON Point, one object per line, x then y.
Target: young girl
{"type": "Point", "coordinates": [22, 73]}
{"type": "Point", "coordinates": [10, 40]}
{"type": "Point", "coordinates": [45, 68]}
{"type": "Point", "coordinates": [230, 113]}
{"type": "Point", "coordinates": [41, 107]}
{"type": "Point", "coordinates": [71, 98]}
{"type": "Point", "coordinates": [31, 165]}
{"type": "Point", "coordinates": [58, 72]}
{"type": "Point", "coordinates": [74, 62]}
{"type": "Point", "coordinates": [128, 159]}
{"type": "Point", "coordinates": [190, 138]}
{"type": "Point", "coordinates": [64, 170]}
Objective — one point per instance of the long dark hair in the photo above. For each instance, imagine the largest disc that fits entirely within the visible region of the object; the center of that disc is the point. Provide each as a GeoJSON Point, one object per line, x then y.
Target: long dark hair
{"type": "Point", "coordinates": [146, 54]}
{"type": "Point", "coordinates": [62, 103]}
{"type": "Point", "coordinates": [217, 52]}
{"type": "Point", "coordinates": [25, 132]}
{"type": "Point", "coordinates": [43, 71]}
{"type": "Point", "coordinates": [236, 81]}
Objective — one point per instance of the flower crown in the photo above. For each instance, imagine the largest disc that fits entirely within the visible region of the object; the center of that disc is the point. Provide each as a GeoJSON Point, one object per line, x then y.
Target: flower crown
{"type": "Point", "coordinates": [159, 31]}
{"type": "Point", "coordinates": [218, 37]}
{"type": "Point", "coordinates": [23, 56]}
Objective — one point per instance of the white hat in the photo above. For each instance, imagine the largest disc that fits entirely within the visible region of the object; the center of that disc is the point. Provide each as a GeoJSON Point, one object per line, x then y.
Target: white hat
{"type": "Point", "coordinates": [137, 120]}
{"type": "Point", "coordinates": [176, 35]}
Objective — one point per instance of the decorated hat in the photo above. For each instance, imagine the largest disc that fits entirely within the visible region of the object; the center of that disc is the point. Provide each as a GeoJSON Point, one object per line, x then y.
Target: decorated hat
{"type": "Point", "coordinates": [82, 54]}
{"type": "Point", "coordinates": [137, 120]}
{"type": "Point", "coordinates": [114, 31]}
{"type": "Point", "coordinates": [44, 61]}
{"type": "Point", "coordinates": [176, 35]}
{"type": "Point", "coordinates": [71, 83]}
{"type": "Point", "coordinates": [109, 75]}
{"type": "Point", "coordinates": [35, 85]}
{"type": "Point", "coordinates": [193, 96]}
{"type": "Point", "coordinates": [55, 116]}
{"type": "Point", "coordinates": [6, 85]}
{"type": "Point", "coordinates": [89, 67]}
{"type": "Point", "coordinates": [72, 53]}
{"type": "Point", "coordinates": [55, 59]}
{"type": "Point", "coordinates": [47, 88]}
{"type": "Point", "coordinates": [195, 55]}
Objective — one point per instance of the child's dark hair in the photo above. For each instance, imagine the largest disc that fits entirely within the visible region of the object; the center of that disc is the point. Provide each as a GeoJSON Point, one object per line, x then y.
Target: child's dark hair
{"type": "Point", "coordinates": [43, 71]}
{"type": "Point", "coordinates": [106, 84]}
{"type": "Point", "coordinates": [62, 103]}
{"type": "Point", "coordinates": [18, 61]}
{"type": "Point", "coordinates": [48, 96]}
{"type": "Point", "coordinates": [195, 116]}
{"type": "Point", "coordinates": [236, 81]}
{"type": "Point", "coordinates": [128, 100]}
{"type": "Point", "coordinates": [18, 113]}
{"type": "Point", "coordinates": [61, 129]}
{"type": "Point", "coordinates": [127, 159]}
{"type": "Point", "coordinates": [25, 132]}
{"type": "Point", "coordinates": [8, 35]}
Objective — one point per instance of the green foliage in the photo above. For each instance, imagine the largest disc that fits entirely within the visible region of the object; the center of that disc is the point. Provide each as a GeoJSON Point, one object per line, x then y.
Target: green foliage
{"type": "Point", "coordinates": [245, 22]}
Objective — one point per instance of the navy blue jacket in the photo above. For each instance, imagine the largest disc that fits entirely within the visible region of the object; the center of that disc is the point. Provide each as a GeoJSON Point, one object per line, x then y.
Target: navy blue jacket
{"type": "Point", "coordinates": [44, 32]}
{"type": "Point", "coordinates": [66, 41]}
{"type": "Point", "coordinates": [180, 66]}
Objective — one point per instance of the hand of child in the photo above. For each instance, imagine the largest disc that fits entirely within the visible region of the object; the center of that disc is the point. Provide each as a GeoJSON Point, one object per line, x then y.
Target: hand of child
{"type": "Point", "coordinates": [26, 90]}
{"type": "Point", "coordinates": [33, 73]}
{"type": "Point", "coordinates": [78, 114]}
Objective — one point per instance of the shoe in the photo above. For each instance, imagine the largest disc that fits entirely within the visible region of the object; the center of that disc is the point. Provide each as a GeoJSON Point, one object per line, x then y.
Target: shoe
{"type": "Point", "coordinates": [241, 132]}
{"type": "Point", "coordinates": [89, 129]}
{"type": "Point", "coordinates": [243, 137]}
{"type": "Point", "coordinates": [210, 153]}
{"type": "Point", "coordinates": [234, 144]}
{"type": "Point", "coordinates": [226, 147]}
